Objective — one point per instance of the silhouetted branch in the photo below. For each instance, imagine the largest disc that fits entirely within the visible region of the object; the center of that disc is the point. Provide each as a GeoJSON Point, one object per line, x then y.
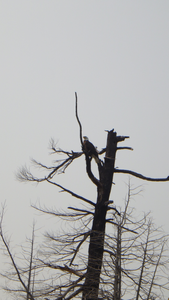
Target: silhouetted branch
{"type": "Point", "coordinates": [140, 175]}
{"type": "Point", "coordinates": [70, 192]}
{"type": "Point", "coordinates": [113, 208]}
{"type": "Point", "coordinates": [143, 262]}
{"type": "Point", "coordinates": [25, 175]}
{"type": "Point", "coordinates": [85, 236]}
{"type": "Point", "coordinates": [85, 212]}
{"type": "Point", "coordinates": [64, 268]}
{"type": "Point", "coordinates": [12, 259]}
{"type": "Point", "coordinates": [156, 267]}
{"type": "Point", "coordinates": [102, 151]}
{"type": "Point", "coordinates": [116, 224]}
{"type": "Point", "coordinates": [59, 214]}
{"type": "Point", "coordinates": [121, 138]}
{"type": "Point", "coordinates": [62, 163]}
{"type": "Point", "coordinates": [88, 160]}
{"type": "Point", "coordinates": [31, 261]}
{"type": "Point", "coordinates": [89, 172]}
{"type": "Point", "coordinates": [72, 295]}
{"type": "Point", "coordinates": [80, 125]}
{"type": "Point", "coordinates": [124, 148]}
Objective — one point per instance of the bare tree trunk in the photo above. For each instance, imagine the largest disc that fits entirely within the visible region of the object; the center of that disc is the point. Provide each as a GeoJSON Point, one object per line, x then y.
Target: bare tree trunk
{"type": "Point", "coordinates": [143, 263]}
{"type": "Point", "coordinates": [156, 267]}
{"type": "Point", "coordinates": [117, 280]}
{"type": "Point", "coordinates": [96, 246]}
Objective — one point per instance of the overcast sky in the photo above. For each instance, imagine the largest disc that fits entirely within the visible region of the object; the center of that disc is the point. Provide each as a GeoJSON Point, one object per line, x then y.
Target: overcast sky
{"type": "Point", "coordinates": [115, 55]}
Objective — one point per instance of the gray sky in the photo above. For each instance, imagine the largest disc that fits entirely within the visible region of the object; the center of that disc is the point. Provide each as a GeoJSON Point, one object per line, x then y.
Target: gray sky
{"type": "Point", "coordinates": [115, 55]}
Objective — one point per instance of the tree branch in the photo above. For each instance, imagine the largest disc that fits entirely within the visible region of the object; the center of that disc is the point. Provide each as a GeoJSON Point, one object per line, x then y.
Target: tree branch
{"type": "Point", "coordinates": [70, 192]}
{"type": "Point", "coordinates": [140, 175]}
{"type": "Point", "coordinates": [124, 148]}
{"type": "Point", "coordinates": [31, 260]}
{"type": "Point", "coordinates": [154, 274]}
{"type": "Point", "coordinates": [89, 172]}
{"type": "Point", "coordinates": [121, 138]}
{"type": "Point", "coordinates": [83, 211]}
{"type": "Point", "coordinates": [80, 125]}
{"type": "Point", "coordinates": [13, 262]}
{"type": "Point", "coordinates": [85, 236]}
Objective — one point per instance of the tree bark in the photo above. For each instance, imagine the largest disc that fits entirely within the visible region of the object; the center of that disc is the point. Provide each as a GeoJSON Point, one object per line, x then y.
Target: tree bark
{"type": "Point", "coordinates": [96, 245]}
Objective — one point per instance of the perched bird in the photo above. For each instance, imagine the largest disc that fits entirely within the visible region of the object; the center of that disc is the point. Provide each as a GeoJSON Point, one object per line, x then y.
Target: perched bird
{"type": "Point", "coordinates": [90, 149]}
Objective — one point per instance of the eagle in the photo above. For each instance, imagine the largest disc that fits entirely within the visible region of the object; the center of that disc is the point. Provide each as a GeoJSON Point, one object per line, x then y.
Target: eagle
{"type": "Point", "coordinates": [90, 149]}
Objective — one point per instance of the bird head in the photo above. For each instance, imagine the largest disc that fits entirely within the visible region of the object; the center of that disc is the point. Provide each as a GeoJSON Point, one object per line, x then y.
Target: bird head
{"type": "Point", "coordinates": [85, 138]}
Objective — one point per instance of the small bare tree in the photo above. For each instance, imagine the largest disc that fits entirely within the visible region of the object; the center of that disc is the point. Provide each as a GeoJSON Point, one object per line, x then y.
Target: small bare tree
{"type": "Point", "coordinates": [18, 273]}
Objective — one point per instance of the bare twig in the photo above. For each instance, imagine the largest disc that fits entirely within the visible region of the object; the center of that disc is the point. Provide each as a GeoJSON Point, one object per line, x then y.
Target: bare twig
{"type": "Point", "coordinates": [25, 175]}
{"type": "Point", "coordinates": [84, 211]}
{"type": "Point", "coordinates": [59, 214]}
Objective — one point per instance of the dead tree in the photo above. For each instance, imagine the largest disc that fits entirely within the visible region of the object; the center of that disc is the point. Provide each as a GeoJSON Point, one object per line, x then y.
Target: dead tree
{"type": "Point", "coordinates": [104, 184]}
{"type": "Point", "coordinates": [135, 257]}
{"type": "Point", "coordinates": [96, 246]}
{"type": "Point", "coordinates": [106, 169]}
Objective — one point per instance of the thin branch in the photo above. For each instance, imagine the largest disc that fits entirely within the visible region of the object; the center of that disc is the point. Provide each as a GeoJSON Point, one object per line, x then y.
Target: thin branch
{"type": "Point", "coordinates": [80, 125]}
{"type": "Point", "coordinates": [70, 192]}
{"type": "Point", "coordinates": [124, 148]}
{"type": "Point", "coordinates": [59, 214]}
{"type": "Point", "coordinates": [74, 294]}
{"type": "Point", "coordinates": [86, 212]}
{"type": "Point", "coordinates": [102, 151]}
{"type": "Point", "coordinates": [154, 274]}
{"type": "Point", "coordinates": [140, 175]}
{"type": "Point", "coordinates": [79, 245]}
{"type": "Point", "coordinates": [31, 260]}
{"type": "Point", "coordinates": [71, 296]}
{"type": "Point", "coordinates": [116, 224]}
{"type": "Point", "coordinates": [143, 263]}
{"type": "Point", "coordinates": [25, 175]}
{"type": "Point", "coordinates": [64, 268]}
{"type": "Point", "coordinates": [89, 172]}
{"type": "Point", "coordinates": [14, 265]}
{"type": "Point", "coordinates": [121, 138]}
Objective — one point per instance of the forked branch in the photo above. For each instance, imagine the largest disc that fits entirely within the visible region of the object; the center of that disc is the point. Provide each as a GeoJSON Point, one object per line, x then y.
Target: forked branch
{"type": "Point", "coordinates": [89, 171]}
